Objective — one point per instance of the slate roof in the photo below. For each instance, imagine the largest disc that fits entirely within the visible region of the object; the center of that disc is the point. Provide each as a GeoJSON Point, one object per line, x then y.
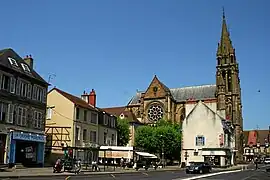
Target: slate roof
{"type": "Point", "coordinates": [182, 94]}
{"type": "Point", "coordinates": [5, 53]}
{"type": "Point", "coordinates": [76, 100]}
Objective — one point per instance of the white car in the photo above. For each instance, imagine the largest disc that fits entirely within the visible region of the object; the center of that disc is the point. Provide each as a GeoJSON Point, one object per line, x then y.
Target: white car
{"type": "Point", "coordinates": [267, 161]}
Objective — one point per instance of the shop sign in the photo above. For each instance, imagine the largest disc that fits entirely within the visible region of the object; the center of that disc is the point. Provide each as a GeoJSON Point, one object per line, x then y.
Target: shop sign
{"type": "Point", "coordinates": [28, 136]}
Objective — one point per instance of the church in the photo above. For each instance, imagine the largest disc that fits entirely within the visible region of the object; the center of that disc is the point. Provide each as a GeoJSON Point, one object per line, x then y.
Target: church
{"type": "Point", "coordinates": [222, 98]}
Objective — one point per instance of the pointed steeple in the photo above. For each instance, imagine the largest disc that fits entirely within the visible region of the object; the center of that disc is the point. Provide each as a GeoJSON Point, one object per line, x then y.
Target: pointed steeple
{"type": "Point", "coordinates": [225, 45]}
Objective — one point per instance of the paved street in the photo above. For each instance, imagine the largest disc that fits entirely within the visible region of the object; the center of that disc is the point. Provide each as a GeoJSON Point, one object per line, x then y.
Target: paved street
{"type": "Point", "coordinates": [259, 174]}
{"type": "Point", "coordinates": [154, 175]}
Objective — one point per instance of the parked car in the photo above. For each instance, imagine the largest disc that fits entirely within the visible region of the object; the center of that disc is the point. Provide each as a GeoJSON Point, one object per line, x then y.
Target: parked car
{"type": "Point", "coordinates": [198, 167]}
{"type": "Point", "coordinates": [267, 161]}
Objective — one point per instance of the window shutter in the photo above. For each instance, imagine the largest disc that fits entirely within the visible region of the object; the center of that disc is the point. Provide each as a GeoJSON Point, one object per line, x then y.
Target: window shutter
{"type": "Point", "coordinates": [44, 95]}
{"type": "Point", "coordinates": [18, 117]}
{"type": "Point", "coordinates": [1, 80]}
{"type": "Point", "coordinates": [18, 87]}
{"type": "Point", "coordinates": [203, 139]}
{"type": "Point", "coordinates": [196, 141]}
{"type": "Point", "coordinates": [29, 91]}
{"type": "Point", "coordinates": [10, 113]}
{"type": "Point", "coordinates": [49, 113]}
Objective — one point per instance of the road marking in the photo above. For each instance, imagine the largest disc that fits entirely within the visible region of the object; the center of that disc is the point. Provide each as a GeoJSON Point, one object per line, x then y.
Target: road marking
{"type": "Point", "coordinates": [145, 173]}
{"type": "Point", "coordinates": [113, 176]}
{"type": "Point", "coordinates": [209, 175]}
{"type": "Point", "coordinates": [67, 178]}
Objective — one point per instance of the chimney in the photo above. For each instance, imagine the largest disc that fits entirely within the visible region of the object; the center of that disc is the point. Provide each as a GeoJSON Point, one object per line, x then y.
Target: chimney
{"type": "Point", "coordinates": [92, 98]}
{"type": "Point", "coordinates": [29, 60]}
{"type": "Point", "coordinates": [85, 97]}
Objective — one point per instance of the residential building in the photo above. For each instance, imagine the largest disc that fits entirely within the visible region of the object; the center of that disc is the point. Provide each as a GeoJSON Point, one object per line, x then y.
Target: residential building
{"type": "Point", "coordinates": [256, 144]}
{"type": "Point", "coordinates": [23, 94]}
{"type": "Point", "coordinates": [107, 133]}
{"type": "Point", "coordinates": [73, 123]}
{"type": "Point", "coordinates": [160, 102]}
{"type": "Point", "coordinates": [70, 122]}
{"type": "Point", "coordinates": [124, 113]}
{"type": "Point", "coordinates": [206, 136]}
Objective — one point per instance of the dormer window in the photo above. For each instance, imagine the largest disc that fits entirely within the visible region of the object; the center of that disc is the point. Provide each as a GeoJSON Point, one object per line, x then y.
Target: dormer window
{"type": "Point", "coordinates": [25, 67]}
{"type": "Point", "coordinates": [12, 61]}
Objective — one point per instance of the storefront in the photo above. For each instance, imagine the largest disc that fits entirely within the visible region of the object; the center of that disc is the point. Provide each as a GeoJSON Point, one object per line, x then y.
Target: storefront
{"type": "Point", "coordinates": [219, 157]}
{"type": "Point", "coordinates": [26, 148]}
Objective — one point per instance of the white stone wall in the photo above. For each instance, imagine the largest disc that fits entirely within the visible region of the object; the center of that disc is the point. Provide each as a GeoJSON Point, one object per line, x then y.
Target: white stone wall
{"type": "Point", "coordinates": [202, 121]}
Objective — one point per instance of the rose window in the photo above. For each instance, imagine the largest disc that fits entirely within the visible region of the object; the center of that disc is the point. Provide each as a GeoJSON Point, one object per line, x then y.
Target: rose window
{"type": "Point", "coordinates": [155, 112]}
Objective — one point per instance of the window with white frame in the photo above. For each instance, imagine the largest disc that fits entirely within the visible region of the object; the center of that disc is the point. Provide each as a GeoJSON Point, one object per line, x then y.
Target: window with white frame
{"type": "Point", "coordinates": [29, 91]}
{"type": "Point", "coordinates": [40, 94]}
{"type": "Point", "coordinates": [11, 116]}
{"type": "Point", "coordinates": [25, 67]}
{"type": "Point", "coordinates": [34, 92]}
{"type": "Point", "coordinates": [5, 83]}
{"type": "Point", "coordinates": [94, 118]}
{"type": "Point", "coordinates": [38, 119]}
{"type": "Point", "coordinates": [24, 89]}
{"type": "Point", "coordinates": [12, 61]}
{"type": "Point", "coordinates": [3, 111]}
{"type": "Point", "coordinates": [112, 122]}
{"type": "Point", "coordinates": [21, 116]}
{"type": "Point", "coordinates": [200, 141]}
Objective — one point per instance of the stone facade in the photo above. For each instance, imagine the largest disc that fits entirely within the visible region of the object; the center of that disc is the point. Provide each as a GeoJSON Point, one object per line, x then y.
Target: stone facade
{"type": "Point", "coordinates": [160, 102]}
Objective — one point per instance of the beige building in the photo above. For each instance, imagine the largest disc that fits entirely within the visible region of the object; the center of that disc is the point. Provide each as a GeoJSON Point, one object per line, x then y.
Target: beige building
{"type": "Point", "coordinates": [206, 135]}
{"type": "Point", "coordinates": [76, 122]}
{"type": "Point", "coordinates": [124, 113]}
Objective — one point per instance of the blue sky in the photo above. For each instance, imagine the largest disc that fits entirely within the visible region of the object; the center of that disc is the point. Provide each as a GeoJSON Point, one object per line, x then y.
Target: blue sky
{"type": "Point", "coordinates": [117, 46]}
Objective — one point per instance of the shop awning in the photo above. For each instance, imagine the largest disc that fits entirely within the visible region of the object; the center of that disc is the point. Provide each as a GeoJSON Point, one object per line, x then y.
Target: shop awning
{"type": "Point", "coordinates": [213, 153]}
{"type": "Point", "coordinates": [145, 154]}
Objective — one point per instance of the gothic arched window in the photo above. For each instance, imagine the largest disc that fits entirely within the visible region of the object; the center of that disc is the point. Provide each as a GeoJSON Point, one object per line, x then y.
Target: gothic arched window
{"type": "Point", "coordinates": [155, 112]}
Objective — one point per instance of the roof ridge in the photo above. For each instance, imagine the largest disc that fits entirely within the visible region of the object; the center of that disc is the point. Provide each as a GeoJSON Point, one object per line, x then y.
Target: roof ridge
{"type": "Point", "coordinates": [78, 98]}
{"type": "Point", "coordinates": [195, 86]}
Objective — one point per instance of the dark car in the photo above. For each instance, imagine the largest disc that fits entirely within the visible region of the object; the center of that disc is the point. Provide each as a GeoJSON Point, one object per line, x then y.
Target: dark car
{"type": "Point", "coordinates": [198, 167]}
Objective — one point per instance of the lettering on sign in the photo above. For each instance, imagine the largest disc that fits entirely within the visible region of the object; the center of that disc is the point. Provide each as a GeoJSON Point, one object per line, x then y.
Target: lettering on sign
{"type": "Point", "coordinates": [28, 137]}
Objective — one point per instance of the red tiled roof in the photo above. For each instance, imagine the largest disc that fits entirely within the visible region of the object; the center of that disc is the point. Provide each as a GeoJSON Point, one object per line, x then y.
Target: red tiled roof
{"type": "Point", "coordinates": [255, 136]}
{"type": "Point", "coordinates": [117, 111]}
{"type": "Point", "coordinates": [76, 100]}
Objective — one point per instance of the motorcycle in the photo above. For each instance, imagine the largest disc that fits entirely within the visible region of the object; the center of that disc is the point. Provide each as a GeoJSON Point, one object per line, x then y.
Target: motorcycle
{"type": "Point", "coordinates": [57, 167]}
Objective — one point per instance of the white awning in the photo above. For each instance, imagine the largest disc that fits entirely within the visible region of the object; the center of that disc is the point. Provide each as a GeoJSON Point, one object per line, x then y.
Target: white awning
{"type": "Point", "coordinates": [213, 153]}
{"type": "Point", "coordinates": [148, 155]}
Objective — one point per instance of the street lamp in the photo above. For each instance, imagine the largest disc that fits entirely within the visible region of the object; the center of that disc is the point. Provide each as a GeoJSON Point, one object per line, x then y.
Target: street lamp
{"type": "Point", "coordinates": [162, 151]}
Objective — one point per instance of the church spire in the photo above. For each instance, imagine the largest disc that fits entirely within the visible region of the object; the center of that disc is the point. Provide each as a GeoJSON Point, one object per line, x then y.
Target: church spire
{"type": "Point", "coordinates": [225, 45]}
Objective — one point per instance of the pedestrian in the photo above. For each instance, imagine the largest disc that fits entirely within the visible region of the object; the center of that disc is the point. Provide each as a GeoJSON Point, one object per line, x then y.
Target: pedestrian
{"type": "Point", "coordinates": [256, 163]}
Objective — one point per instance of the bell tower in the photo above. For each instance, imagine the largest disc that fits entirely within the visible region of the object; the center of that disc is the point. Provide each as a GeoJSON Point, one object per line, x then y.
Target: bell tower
{"type": "Point", "coordinates": [228, 90]}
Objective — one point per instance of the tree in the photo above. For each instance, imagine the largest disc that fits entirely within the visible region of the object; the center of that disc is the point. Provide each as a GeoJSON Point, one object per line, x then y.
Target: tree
{"type": "Point", "coordinates": [165, 138]}
{"type": "Point", "coordinates": [122, 132]}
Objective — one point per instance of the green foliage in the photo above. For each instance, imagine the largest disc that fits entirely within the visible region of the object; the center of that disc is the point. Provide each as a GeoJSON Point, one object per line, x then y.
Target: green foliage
{"type": "Point", "coordinates": [164, 137]}
{"type": "Point", "coordinates": [122, 132]}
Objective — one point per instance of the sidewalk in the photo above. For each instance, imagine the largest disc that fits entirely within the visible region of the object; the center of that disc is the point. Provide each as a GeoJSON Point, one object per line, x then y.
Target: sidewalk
{"type": "Point", "coordinates": [47, 171]}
